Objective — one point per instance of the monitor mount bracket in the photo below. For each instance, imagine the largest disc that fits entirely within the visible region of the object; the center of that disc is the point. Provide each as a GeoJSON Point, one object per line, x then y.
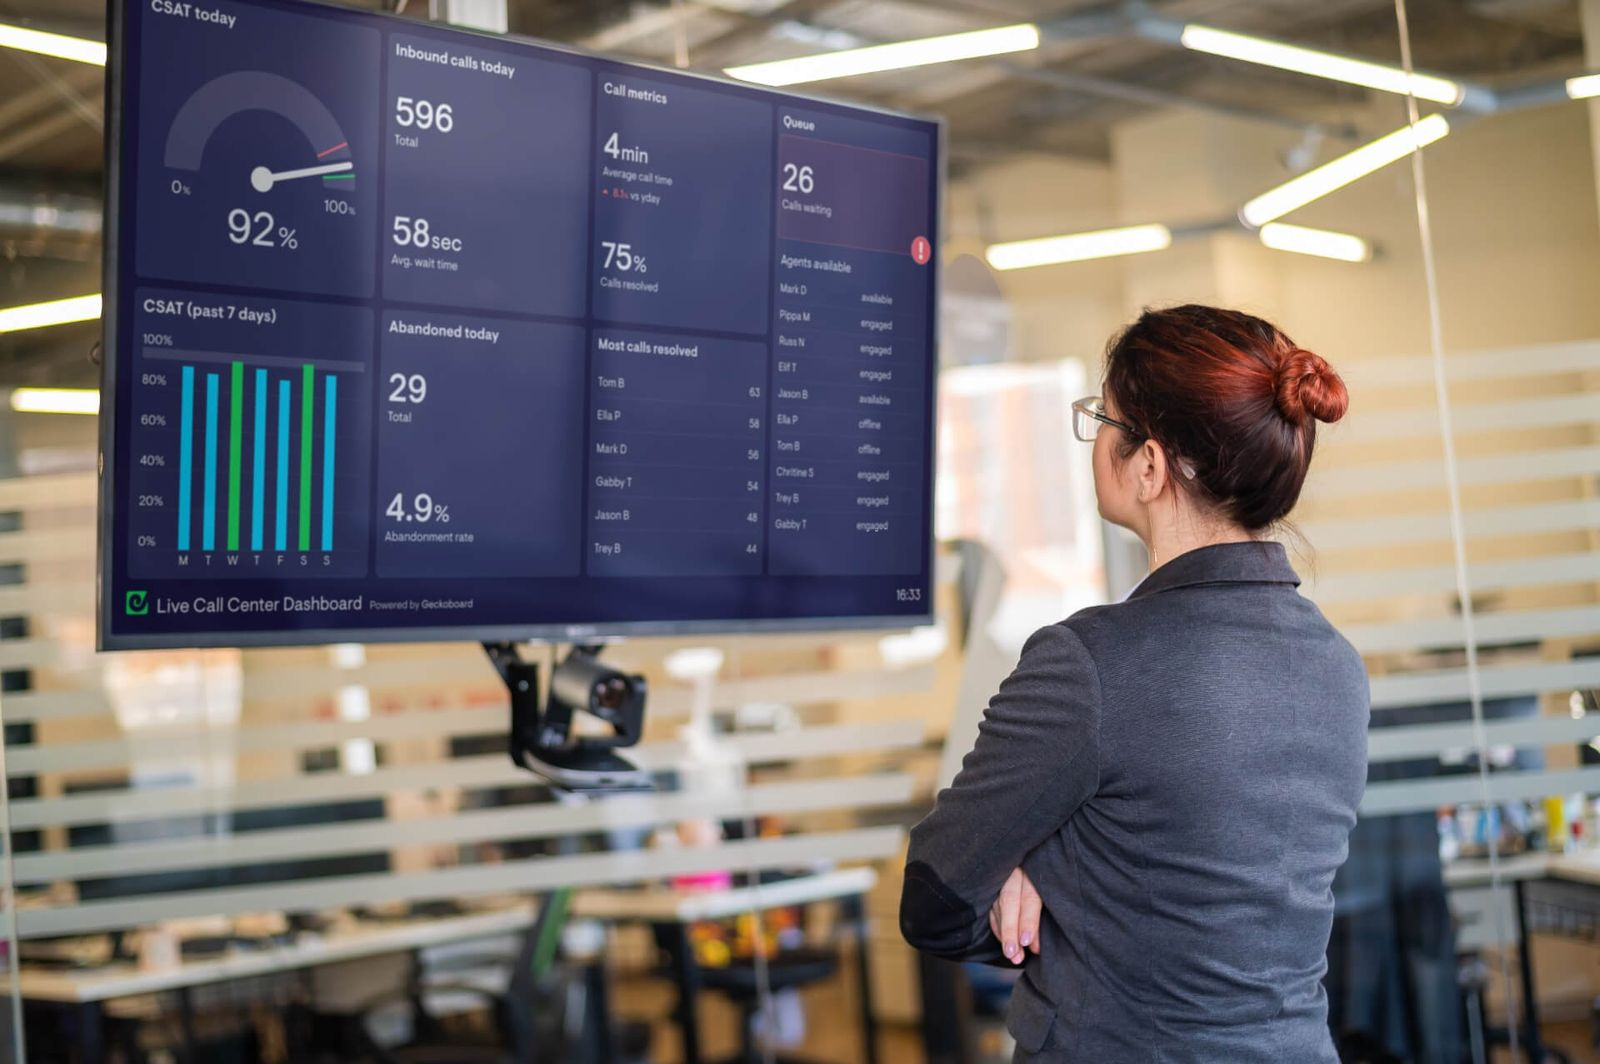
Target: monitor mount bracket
{"type": "Point", "coordinates": [541, 739]}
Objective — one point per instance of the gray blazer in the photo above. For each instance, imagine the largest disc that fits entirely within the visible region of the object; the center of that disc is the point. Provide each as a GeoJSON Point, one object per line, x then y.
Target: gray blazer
{"type": "Point", "coordinates": [1178, 774]}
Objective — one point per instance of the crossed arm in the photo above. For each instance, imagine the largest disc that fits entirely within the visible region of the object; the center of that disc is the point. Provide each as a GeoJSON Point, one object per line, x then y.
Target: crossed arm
{"type": "Point", "coordinates": [1036, 760]}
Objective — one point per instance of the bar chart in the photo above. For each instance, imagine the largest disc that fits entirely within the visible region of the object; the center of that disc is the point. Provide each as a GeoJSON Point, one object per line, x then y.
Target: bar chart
{"type": "Point", "coordinates": [250, 465]}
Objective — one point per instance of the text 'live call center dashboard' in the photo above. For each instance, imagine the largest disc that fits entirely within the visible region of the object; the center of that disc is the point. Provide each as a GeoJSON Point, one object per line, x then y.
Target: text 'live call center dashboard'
{"type": "Point", "coordinates": [420, 331]}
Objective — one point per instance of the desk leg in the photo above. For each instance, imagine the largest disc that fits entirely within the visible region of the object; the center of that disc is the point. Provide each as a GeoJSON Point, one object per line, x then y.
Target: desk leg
{"type": "Point", "coordinates": [598, 1007]}
{"type": "Point", "coordinates": [869, 1022]}
{"type": "Point", "coordinates": [947, 1031]}
{"type": "Point", "coordinates": [687, 975]}
{"type": "Point", "coordinates": [191, 1044]}
{"type": "Point", "coordinates": [1533, 1046]}
{"type": "Point", "coordinates": [91, 1032]}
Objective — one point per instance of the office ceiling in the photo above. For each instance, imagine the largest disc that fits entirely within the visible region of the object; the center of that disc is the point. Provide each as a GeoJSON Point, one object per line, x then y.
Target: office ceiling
{"type": "Point", "coordinates": [1062, 100]}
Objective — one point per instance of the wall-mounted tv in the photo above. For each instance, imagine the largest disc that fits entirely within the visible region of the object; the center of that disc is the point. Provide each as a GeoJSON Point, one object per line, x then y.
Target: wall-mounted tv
{"type": "Point", "coordinates": [415, 333]}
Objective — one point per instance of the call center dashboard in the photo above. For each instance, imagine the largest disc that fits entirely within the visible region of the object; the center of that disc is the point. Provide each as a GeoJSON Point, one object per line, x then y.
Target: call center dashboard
{"type": "Point", "coordinates": [415, 333]}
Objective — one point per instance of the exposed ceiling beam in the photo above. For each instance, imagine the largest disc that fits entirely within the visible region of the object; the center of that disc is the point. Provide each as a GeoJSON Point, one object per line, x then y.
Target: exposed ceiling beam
{"type": "Point", "coordinates": [40, 98]}
{"type": "Point", "coordinates": [1080, 28]}
{"type": "Point", "coordinates": [88, 108]}
{"type": "Point", "coordinates": [38, 132]}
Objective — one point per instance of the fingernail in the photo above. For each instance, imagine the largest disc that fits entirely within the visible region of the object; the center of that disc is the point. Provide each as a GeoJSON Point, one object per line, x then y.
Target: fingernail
{"type": "Point", "coordinates": [1027, 939]}
{"type": "Point", "coordinates": [1011, 948]}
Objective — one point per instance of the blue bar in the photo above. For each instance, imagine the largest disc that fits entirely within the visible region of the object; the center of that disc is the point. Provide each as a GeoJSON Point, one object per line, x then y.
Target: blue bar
{"type": "Point", "coordinates": [186, 458]}
{"type": "Point", "coordinates": [208, 532]}
{"type": "Point", "coordinates": [327, 461]}
{"type": "Point", "coordinates": [258, 484]}
{"type": "Point", "coordinates": [281, 531]}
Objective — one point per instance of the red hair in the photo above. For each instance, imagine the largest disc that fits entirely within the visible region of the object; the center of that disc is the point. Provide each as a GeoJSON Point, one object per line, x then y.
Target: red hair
{"type": "Point", "coordinates": [1230, 394]}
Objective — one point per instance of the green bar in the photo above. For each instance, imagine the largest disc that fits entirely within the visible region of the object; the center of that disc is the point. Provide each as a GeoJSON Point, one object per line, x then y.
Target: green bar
{"type": "Point", "coordinates": [235, 427]}
{"type": "Point", "coordinates": [306, 393]}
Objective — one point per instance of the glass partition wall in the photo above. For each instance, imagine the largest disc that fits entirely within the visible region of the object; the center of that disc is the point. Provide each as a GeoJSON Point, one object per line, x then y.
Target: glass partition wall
{"type": "Point", "coordinates": [168, 810]}
{"type": "Point", "coordinates": [261, 854]}
{"type": "Point", "coordinates": [1448, 524]}
{"type": "Point", "coordinates": [1507, 211]}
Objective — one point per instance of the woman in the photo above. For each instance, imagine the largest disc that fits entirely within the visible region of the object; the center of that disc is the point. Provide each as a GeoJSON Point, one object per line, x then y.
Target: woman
{"type": "Point", "coordinates": [1161, 792]}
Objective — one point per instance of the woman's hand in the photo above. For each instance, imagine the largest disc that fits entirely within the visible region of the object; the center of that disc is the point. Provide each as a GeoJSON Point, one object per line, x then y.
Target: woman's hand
{"type": "Point", "coordinates": [1014, 917]}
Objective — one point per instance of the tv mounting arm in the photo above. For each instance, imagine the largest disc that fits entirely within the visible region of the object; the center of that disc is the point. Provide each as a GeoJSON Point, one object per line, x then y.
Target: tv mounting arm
{"type": "Point", "coordinates": [541, 738]}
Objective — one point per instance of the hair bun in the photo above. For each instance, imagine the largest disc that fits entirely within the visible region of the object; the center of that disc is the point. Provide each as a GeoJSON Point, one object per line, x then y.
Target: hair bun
{"type": "Point", "coordinates": [1306, 384]}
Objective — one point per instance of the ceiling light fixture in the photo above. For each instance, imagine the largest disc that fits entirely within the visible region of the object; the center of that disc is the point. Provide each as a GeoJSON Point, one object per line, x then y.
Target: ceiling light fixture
{"type": "Point", "coordinates": [1077, 247]}
{"type": "Point", "coordinates": [1582, 88]}
{"type": "Point", "coordinates": [1314, 184]}
{"type": "Point", "coordinates": [1320, 64]}
{"type": "Point", "coordinates": [55, 312]}
{"type": "Point", "coordinates": [1322, 243]}
{"type": "Point", "coordinates": [58, 45]}
{"type": "Point", "coordinates": [898, 56]}
{"type": "Point", "coordinates": [55, 401]}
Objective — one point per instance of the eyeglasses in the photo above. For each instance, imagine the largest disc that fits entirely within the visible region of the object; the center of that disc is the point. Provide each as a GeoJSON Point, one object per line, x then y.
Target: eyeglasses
{"type": "Point", "coordinates": [1089, 413]}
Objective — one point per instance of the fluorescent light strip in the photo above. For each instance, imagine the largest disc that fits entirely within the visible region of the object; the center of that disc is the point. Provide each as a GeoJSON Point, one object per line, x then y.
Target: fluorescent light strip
{"type": "Point", "coordinates": [1320, 64]}
{"type": "Point", "coordinates": [56, 312]}
{"type": "Point", "coordinates": [898, 56]}
{"type": "Point", "coordinates": [1076, 247]}
{"type": "Point", "coordinates": [1322, 243]}
{"type": "Point", "coordinates": [1314, 184]}
{"type": "Point", "coordinates": [58, 45]}
{"type": "Point", "coordinates": [55, 401]}
{"type": "Point", "coordinates": [1582, 88]}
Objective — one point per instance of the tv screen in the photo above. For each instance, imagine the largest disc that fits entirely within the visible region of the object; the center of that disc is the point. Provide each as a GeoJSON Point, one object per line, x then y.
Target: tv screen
{"type": "Point", "coordinates": [415, 333]}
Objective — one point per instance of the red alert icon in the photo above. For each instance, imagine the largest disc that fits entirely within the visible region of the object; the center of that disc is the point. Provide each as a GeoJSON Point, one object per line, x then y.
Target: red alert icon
{"type": "Point", "coordinates": [921, 251]}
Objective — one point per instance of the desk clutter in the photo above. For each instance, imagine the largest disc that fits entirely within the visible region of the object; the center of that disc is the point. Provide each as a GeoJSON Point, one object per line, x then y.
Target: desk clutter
{"type": "Point", "coordinates": [496, 979]}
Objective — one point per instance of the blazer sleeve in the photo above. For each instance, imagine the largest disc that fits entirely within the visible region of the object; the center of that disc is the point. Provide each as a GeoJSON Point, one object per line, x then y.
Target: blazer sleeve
{"type": "Point", "coordinates": [1036, 760]}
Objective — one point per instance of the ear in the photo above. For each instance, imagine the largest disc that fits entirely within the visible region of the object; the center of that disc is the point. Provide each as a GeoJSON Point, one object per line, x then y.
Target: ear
{"type": "Point", "coordinates": [1152, 471]}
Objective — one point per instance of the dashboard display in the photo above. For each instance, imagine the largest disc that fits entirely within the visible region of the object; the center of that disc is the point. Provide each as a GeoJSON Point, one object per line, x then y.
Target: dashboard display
{"type": "Point", "coordinates": [414, 333]}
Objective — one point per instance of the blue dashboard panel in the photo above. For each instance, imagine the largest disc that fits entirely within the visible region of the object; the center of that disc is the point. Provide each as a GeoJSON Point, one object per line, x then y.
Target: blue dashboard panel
{"type": "Point", "coordinates": [415, 333]}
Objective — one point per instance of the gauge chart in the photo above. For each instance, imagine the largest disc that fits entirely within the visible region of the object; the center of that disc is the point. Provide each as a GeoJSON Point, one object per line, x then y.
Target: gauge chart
{"type": "Point", "coordinates": [260, 178]}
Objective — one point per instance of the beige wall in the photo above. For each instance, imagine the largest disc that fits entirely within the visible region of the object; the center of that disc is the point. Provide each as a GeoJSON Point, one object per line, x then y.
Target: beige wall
{"type": "Point", "coordinates": [1058, 312]}
{"type": "Point", "coordinates": [1515, 229]}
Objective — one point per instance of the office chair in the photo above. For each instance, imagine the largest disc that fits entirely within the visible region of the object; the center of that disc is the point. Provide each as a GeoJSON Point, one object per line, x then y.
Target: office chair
{"type": "Point", "coordinates": [510, 1038]}
{"type": "Point", "coordinates": [740, 983]}
{"type": "Point", "coordinates": [433, 1040]}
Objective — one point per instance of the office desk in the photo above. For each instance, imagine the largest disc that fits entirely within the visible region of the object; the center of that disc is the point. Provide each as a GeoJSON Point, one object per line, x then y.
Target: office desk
{"type": "Point", "coordinates": [674, 910]}
{"type": "Point", "coordinates": [1564, 883]}
{"type": "Point", "coordinates": [90, 988]}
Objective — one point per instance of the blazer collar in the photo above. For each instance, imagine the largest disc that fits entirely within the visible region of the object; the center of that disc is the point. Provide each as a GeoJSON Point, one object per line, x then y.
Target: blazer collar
{"type": "Point", "coordinates": [1256, 562]}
